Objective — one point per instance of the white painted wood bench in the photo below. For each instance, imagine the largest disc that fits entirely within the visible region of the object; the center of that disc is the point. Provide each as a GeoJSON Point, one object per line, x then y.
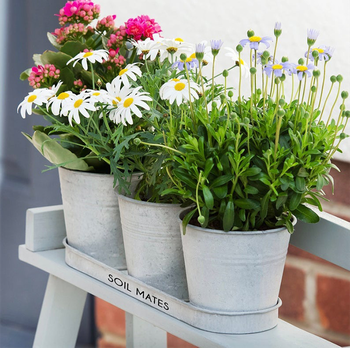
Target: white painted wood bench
{"type": "Point", "coordinates": [145, 326]}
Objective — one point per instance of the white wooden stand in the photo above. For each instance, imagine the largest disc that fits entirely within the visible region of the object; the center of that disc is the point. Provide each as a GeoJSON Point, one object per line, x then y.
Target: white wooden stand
{"type": "Point", "coordinates": [146, 327]}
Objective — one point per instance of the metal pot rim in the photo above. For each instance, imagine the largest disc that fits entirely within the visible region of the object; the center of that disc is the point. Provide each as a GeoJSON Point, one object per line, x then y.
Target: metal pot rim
{"type": "Point", "coordinates": [232, 233]}
{"type": "Point", "coordinates": [135, 201]}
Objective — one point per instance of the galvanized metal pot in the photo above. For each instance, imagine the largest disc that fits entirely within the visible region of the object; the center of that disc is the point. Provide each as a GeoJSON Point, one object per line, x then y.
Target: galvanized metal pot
{"type": "Point", "coordinates": [153, 246]}
{"type": "Point", "coordinates": [91, 214]}
{"type": "Point", "coordinates": [234, 271]}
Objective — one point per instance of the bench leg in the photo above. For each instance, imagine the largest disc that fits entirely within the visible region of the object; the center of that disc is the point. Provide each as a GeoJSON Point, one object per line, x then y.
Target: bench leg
{"type": "Point", "coordinates": [141, 334]}
{"type": "Point", "coordinates": [60, 315]}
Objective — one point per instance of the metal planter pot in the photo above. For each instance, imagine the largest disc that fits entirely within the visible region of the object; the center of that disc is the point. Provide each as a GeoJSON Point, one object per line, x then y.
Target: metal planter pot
{"type": "Point", "coordinates": [153, 244]}
{"type": "Point", "coordinates": [234, 271]}
{"type": "Point", "coordinates": [91, 214]}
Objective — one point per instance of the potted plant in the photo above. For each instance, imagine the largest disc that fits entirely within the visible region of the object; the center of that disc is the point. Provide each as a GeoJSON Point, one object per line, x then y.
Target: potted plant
{"type": "Point", "coordinates": [80, 90]}
{"type": "Point", "coordinates": [251, 166]}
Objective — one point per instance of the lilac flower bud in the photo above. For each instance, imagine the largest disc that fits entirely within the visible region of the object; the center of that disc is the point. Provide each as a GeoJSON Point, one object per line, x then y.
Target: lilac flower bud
{"type": "Point", "coordinates": [339, 78]}
{"type": "Point", "coordinates": [278, 29]}
{"type": "Point", "coordinates": [344, 94]}
{"type": "Point", "coordinates": [333, 78]}
{"type": "Point", "coordinates": [301, 61]}
{"type": "Point", "coordinates": [239, 48]}
{"type": "Point", "coordinates": [250, 33]}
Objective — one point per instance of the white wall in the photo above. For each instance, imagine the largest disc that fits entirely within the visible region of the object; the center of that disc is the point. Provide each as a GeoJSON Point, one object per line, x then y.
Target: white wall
{"type": "Point", "coordinates": [229, 21]}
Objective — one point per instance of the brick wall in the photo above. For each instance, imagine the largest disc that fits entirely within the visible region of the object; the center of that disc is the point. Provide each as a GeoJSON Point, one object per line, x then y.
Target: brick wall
{"type": "Point", "coordinates": [314, 292]}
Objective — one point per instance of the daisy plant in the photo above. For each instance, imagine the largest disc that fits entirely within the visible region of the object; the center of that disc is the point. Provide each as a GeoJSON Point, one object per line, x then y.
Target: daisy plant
{"type": "Point", "coordinates": [250, 162]}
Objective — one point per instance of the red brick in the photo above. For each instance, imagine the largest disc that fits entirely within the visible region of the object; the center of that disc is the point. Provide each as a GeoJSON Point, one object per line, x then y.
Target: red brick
{"type": "Point", "coordinates": [341, 185]}
{"type": "Point", "coordinates": [333, 303]}
{"type": "Point", "coordinates": [102, 343]}
{"type": "Point", "coordinates": [292, 293]}
{"type": "Point", "coordinates": [109, 318]}
{"type": "Point", "coordinates": [176, 342]}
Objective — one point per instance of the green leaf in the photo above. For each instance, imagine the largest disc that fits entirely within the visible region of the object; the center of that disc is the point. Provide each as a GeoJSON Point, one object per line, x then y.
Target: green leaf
{"type": "Point", "coordinates": [229, 216]}
{"type": "Point", "coordinates": [208, 197]}
{"type": "Point", "coordinates": [72, 48]}
{"type": "Point", "coordinates": [281, 200]}
{"type": "Point", "coordinates": [306, 214]}
{"type": "Point", "coordinates": [247, 203]}
{"type": "Point", "coordinates": [251, 190]}
{"type": "Point", "coordinates": [187, 219]}
{"type": "Point", "coordinates": [264, 205]}
{"type": "Point", "coordinates": [295, 200]}
{"type": "Point", "coordinates": [52, 38]}
{"type": "Point", "coordinates": [252, 171]}
{"type": "Point", "coordinates": [300, 184]}
{"type": "Point", "coordinates": [25, 74]}
{"type": "Point", "coordinates": [56, 153]}
{"type": "Point", "coordinates": [221, 180]}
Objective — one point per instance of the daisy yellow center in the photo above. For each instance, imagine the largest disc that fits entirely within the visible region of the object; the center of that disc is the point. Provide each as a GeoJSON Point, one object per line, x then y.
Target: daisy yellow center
{"type": "Point", "coordinates": [178, 39]}
{"type": "Point", "coordinates": [78, 103]}
{"type": "Point", "coordinates": [175, 80]}
{"type": "Point", "coordinates": [116, 100]}
{"type": "Point", "coordinates": [301, 68]}
{"type": "Point", "coordinates": [63, 95]}
{"type": "Point", "coordinates": [123, 71]}
{"type": "Point", "coordinates": [32, 98]}
{"type": "Point", "coordinates": [180, 86]}
{"type": "Point", "coordinates": [241, 62]}
{"type": "Point", "coordinates": [189, 59]}
{"type": "Point", "coordinates": [319, 50]}
{"type": "Point", "coordinates": [96, 94]}
{"type": "Point", "coordinates": [277, 67]}
{"type": "Point", "coordinates": [128, 102]}
{"type": "Point", "coordinates": [87, 54]}
{"type": "Point", "coordinates": [255, 39]}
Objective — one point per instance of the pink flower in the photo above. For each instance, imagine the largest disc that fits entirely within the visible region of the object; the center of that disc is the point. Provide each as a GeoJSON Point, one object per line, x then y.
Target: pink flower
{"type": "Point", "coordinates": [78, 11]}
{"type": "Point", "coordinates": [142, 27]}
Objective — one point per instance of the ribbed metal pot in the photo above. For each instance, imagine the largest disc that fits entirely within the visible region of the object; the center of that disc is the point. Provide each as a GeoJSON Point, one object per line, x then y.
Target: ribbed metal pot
{"type": "Point", "coordinates": [91, 214]}
{"type": "Point", "coordinates": [153, 246]}
{"type": "Point", "coordinates": [234, 271]}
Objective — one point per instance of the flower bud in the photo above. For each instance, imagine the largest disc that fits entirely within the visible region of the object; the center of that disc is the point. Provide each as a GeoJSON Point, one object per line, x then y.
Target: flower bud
{"type": "Point", "coordinates": [250, 33]}
{"type": "Point", "coordinates": [339, 78]}
{"type": "Point", "coordinates": [315, 54]}
{"type": "Point", "coordinates": [313, 89]}
{"type": "Point", "coordinates": [316, 73]}
{"type": "Point", "coordinates": [258, 91]}
{"type": "Point", "coordinates": [301, 61]}
{"type": "Point", "coordinates": [252, 71]}
{"type": "Point", "coordinates": [277, 80]}
{"type": "Point", "coordinates": [347, 113]}
{"type": "Point", "coordinates": [201, 219]}
{"type": "Point", "coordinates": [333, 78]}
{"type": "Point", "coordinates": [214, 105]}
{"type": "Point", "coordinates": [230, 94]}
{"type": "Point", "coordinates": [281, 112]}
{"type": "Point", "coordinates": [239, 48]}
{"type": "Point", "coordinates": [225, 73]}
{"type": "Point", "coordinates": [344, 94]}
{"type": "Point", "coordinates": [278, 29]}
{"type": "Point", "coordinates": [342, 136]}
{"type": "Point", "coordinates": [284, 59]}
{"type": "Point", "coordinates": [266, 54]}
{"type": "Point", "coordinates": [137, 141]}
{"type": "Point", "coordinates": [183, 56]}
{"type": "Point", "coordinates": [283, 77]}
{"type": "Point", "coordinates": [281, 102]}
{"type": "Point", "coordinates": [342, 107]}
{"type": "Point", "coordinates": [99, 83]}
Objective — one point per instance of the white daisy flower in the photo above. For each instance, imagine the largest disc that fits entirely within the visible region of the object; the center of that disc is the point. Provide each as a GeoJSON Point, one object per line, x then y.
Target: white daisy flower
{"type": "Point", "coordinates": [239, 62]}
{"type": "Point", "coordinates": [78, 106]}
{"type": "Point", "coordinates": [176, 89]}
{"type": "Point", "coordinates": [173, 48]}
{"type": "Point", "coordinates": [101, 96]}
{"type": "Point", "coordinates": [91, 56]}
{"type": "Point", "coordinates": [59, 102]}
{"type": "Point", "coordinates": [130, 105]}
{"type": "Point", "coordinates": [130, 71]}
{"type": "Point", "coordinates": [149, 48]}
{"type": "Point", "coordinates": [37, 97]}
{"type": "Point", "coordinates": [116, 92]}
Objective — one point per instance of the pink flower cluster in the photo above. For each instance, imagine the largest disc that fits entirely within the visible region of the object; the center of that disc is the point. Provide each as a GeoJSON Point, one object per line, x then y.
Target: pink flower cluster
{"type": "Point", "coordinates": [115, 62]}
{"type": "Point", "coordinates": [142, 27]}
{"type": "Point", "coordinates": [43, 76]}
{"type": "Point", "coordinates": [117, 39]}
{"type": "Point", "coordinates": [79, 11]}
{"type": "Point", "coordinates": [71, 31]}
{"type": "Point", "coordinates": [106, 23]}
{"type": "Point", "coordinates": [78, 84]}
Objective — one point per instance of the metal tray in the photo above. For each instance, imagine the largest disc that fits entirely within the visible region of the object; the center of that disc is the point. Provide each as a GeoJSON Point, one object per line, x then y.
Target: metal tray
{"type": "Point", "coordinates": [201, 318]}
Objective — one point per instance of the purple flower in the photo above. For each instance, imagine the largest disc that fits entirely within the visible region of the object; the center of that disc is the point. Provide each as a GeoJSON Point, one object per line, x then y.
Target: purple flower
{"type": "Point", "coordinates": [200, 48]}
{"type": "Point", "coordinates": [255, 40]}
{"type": "Point", "coordinates": [312, 36]}
{"type": "Point", "coordinates": [278, 26]}
{"type": "Point", "coordinates": [300, 70]}
{"type": "Point", "coordinates": [277, 69]}
{"type": "Point", "coordinates": [324, 53]}
{"type": "Point", "coordinates": [259, 55]}
{"type": "Point", "coordinates": [215, 46]}
{"type": "Point", "coordinates": [191, 63]}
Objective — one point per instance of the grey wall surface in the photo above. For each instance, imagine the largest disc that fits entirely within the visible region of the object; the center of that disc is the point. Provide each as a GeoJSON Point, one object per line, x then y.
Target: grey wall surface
{"type": "Point", "coordinates": [23, 185]}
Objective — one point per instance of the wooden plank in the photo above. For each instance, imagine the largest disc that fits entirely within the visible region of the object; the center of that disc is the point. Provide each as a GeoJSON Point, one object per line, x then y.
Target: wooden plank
{"type": "Point", "coordinates": [140, 333]}
{"type": "Point", "coordinates": [60, 315]}
{"type": "Point", "coordinates": [328, 239]}
{"type": "Point", "coordinates": [284, 335]}
{"type": "Point", "coordinates": [45, 228]}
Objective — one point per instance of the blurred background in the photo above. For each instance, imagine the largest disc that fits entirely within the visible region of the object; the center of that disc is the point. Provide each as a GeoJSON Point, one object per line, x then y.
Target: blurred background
{"type": "Point", "coordinates": [315, 293]}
